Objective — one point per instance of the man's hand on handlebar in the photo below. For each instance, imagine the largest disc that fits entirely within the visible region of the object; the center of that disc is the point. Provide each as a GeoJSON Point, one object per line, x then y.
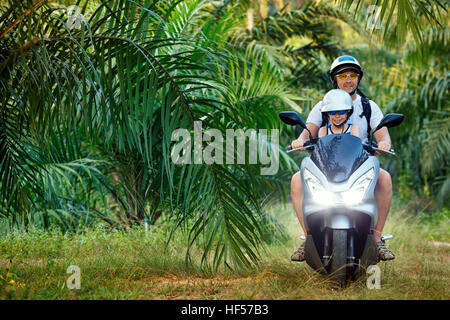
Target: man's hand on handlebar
{"type": "Point", "coordinates": [298, 143]}
{"type": "Point", "coordinates": [376, 149]}
{"type": "Point", "coordinates": [383, 145]}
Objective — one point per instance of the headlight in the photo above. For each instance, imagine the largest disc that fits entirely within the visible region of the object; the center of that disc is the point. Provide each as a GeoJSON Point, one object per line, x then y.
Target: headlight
{"type": "Point", "coordinates": [318, 192]}
{"type": "Point", "coordinates": [350, 197]}
{"type": "Point", "coordinates": [357, 191]}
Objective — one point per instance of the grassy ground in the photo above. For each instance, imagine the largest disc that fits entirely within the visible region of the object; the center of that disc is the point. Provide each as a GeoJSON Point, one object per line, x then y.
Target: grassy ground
{"type": "Point", "coordinates": [138, 265]}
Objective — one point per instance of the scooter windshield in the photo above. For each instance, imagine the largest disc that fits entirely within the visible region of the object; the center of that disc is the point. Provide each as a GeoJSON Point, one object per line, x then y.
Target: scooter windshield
{"type": "Point", "coordinates": [338, 156]}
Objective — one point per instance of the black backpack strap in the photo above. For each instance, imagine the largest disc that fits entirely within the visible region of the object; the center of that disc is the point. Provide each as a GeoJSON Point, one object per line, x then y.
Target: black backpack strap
{"type": "Point", "coordinates": [367, 112]}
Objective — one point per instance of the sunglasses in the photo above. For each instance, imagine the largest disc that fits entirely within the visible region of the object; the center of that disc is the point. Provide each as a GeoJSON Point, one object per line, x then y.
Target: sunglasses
{"type": "Point", "coordinates": [340, 112]}
{"type": "Point", "coordinates": [352, 75]}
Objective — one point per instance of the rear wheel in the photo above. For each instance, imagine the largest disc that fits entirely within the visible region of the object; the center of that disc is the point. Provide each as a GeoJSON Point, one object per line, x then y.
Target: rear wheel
{"type": "Point", "coordinates": [339, 257]}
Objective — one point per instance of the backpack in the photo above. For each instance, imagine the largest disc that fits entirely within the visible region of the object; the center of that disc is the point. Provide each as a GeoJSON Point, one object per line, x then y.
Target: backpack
{"type": "Point", "coordinates": [367, 112]}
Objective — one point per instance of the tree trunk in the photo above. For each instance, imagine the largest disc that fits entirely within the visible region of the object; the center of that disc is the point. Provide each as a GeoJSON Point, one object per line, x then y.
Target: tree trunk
{"type": "Point", "coordinates": [279, 4]}
{"type": "Point", "coordinates": [263, 11]}
{"type": "Point", "coordinates": [250, 19]}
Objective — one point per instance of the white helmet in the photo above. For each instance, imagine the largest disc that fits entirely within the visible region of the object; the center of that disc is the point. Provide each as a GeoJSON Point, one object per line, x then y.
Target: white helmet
{"type": "Point", "coordinates": [344, 63]}
{"type": "Point", "coordinates": [337, 99]}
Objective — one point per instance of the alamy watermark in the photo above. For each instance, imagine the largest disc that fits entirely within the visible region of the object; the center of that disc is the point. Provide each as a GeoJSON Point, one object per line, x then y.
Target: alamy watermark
{"type": "Point", "coordinates": [75, 18]}
{"type": "Point", "coordinates": [74, 281]}
{"type": "Point", "coordinates": [373, 17]}
{"type": "Point", "coordinates": [262, 147]}
{"type": "Point", "coordinates": [373, 281]}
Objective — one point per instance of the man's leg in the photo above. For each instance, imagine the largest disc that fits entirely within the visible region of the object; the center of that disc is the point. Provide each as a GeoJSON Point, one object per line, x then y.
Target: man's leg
{"type": "Point", "coordinates": [297, 201]}
{"type": "Point", "coordinates": [383, 196]}
{"type": "Point", "coordinates": [297, 198]}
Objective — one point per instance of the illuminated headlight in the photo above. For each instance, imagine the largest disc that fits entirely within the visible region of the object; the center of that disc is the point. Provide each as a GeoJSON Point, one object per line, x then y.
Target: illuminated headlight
{"type": "Point", "coordinates": [318, 192]}
{"type": "Point", "coordinates": [356, 193]}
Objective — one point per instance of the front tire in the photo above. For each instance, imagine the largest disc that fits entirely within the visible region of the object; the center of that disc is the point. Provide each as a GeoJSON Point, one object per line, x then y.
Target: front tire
{"type": "Point", "coordinates": [339, 257]}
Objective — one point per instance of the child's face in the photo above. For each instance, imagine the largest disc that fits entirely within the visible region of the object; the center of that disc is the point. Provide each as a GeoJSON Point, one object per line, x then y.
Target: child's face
{"type": "Point", "coordinates": [338, 119]}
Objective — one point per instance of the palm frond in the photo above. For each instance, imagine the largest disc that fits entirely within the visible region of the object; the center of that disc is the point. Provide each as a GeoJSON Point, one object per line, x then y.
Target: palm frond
{"type": "Point", "coordinates": [406, 14]}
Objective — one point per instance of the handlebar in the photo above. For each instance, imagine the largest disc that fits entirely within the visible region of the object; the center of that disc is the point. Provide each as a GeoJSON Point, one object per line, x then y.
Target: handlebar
{"type": "Point", "coordinates": [372, 149]}
{"type": "Point", "coordinates": [305, 147]}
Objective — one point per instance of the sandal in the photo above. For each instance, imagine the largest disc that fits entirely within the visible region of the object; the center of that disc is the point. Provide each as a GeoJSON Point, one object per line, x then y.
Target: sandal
{"type": "Point", "coordinates": [383, 252]}
{"type": "Point", "coordinates": [299, 254]}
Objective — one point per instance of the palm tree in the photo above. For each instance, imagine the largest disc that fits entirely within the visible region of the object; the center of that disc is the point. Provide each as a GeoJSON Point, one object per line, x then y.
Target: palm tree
{"type": "Point", "coordinates": [95, 108]}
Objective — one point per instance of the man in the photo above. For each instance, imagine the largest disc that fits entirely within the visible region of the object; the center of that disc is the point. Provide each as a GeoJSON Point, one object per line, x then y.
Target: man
{"type": "Point", "coordinates": [346, 74]}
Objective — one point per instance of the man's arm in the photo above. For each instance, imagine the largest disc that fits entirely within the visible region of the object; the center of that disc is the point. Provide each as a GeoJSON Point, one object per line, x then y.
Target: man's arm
{"type": "Point", "coordinates": [383, 139]}
{"type": "Point", "coordinates": [304, 136]}
{"type": "Point", "coordinates": [312, 123]}
{"type": "Point", "coordinates": [381, 136]}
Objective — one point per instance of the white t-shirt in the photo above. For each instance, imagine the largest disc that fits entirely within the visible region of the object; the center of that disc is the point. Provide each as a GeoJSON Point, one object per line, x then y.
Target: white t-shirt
{"type": "Point", "coordinates": [357, 118]}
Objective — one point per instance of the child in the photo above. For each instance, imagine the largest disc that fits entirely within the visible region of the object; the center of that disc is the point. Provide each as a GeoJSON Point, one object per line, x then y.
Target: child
{"type": "Point", "coordinates": [337, 105]}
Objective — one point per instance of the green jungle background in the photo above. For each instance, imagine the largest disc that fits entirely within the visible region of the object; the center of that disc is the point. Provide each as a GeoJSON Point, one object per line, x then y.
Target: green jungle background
{"type": "Point", "coordinates": [91, 91]}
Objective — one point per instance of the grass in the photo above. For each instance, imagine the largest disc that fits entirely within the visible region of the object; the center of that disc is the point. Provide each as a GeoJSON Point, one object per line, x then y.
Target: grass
{"type": "Point", "coordinates": [139, 265]}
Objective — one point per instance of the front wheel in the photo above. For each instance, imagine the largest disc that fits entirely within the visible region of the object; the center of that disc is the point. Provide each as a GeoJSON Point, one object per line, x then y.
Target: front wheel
{"type": "Point", "coordinates": [339, 257]}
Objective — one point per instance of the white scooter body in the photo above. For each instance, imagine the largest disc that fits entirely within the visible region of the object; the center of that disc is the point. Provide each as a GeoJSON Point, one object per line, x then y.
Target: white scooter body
{"type": "Point", "coordinates": [337, 206]}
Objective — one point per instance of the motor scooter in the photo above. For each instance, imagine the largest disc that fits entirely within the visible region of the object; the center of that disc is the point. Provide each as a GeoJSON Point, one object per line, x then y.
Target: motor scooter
{"type": "Point", "coordinates": [339, 206]}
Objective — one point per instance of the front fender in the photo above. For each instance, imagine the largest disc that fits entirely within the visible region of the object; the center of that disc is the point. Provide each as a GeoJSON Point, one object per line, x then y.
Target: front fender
{"type": "Point", "coordinates": [339, 221]}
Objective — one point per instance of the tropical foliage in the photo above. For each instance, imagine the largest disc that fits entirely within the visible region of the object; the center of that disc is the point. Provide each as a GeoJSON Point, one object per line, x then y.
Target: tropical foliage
{"type": "Point", "coordinates": [92, 93]}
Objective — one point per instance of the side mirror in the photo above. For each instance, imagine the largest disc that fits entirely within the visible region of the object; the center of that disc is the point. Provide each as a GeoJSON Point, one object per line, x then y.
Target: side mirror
{"type": "Point", "coordinates": [292, 118]}
{"type": "Point", "coordinates": [390, 120]}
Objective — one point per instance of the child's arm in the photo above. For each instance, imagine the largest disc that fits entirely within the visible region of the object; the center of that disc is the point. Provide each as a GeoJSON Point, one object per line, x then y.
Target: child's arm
{"type": "Point", "coordinates": [322, 132]}
{"type": "Point", "coordinates": [355, 131]}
